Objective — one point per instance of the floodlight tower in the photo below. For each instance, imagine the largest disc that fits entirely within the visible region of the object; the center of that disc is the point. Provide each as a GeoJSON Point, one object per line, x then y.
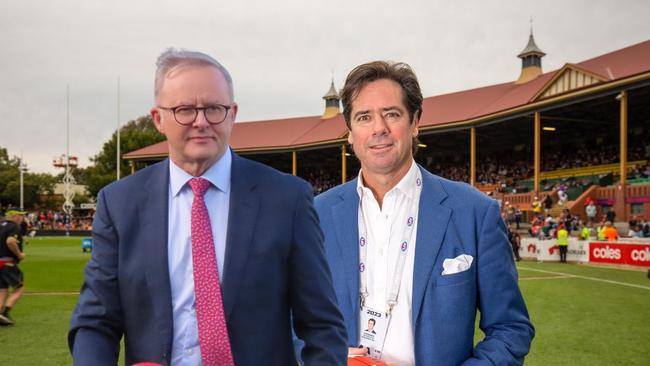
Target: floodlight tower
{"type": "Point", "coordinates": [23, 168]}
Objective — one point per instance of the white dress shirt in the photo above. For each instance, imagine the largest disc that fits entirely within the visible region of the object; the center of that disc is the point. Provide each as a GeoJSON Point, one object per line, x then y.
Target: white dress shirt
{"type": "Point", "coordinates": [185, 346]}
{"type": "Point", "coordinates": [384, 238]}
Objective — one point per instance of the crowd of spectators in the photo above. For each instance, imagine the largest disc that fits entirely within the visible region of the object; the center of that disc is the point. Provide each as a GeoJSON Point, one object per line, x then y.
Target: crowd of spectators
{"type": "Point", "coordinates": [322, 180]}
{"type": "Point", "coordinates": [46, 220]}
{"type": "Point", "coordinates": [509, 169]}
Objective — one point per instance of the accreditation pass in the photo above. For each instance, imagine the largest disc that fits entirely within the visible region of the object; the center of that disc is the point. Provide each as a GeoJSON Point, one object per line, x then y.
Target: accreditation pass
{"type": "Point", "coordinates": [373, 327]}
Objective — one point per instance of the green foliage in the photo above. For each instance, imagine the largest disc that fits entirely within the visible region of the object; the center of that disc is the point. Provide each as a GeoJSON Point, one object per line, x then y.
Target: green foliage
{"type": "Point", "coordinates": [134, 135]}
{"type": "Point", "coordinates": [34, 184]}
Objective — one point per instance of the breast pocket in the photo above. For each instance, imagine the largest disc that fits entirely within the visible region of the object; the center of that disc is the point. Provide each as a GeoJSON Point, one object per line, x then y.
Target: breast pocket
{"type": "Point", "coordinates": [456, 278]}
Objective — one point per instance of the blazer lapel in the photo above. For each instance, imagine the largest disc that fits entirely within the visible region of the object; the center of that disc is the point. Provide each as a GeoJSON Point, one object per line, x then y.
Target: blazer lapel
{"type": "Point", "coordinates": [244, 205]}
{"type": "Point", "coordinates": [154, 217]}
{"type": "Point", "coordinates": [433, 219]}
{"type": "Point", "coordinates": [345, 218]}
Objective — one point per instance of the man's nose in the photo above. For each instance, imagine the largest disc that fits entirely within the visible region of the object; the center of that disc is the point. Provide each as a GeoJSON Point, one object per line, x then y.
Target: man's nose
{"type": "Point", "coordinates": [379, 125]}
{"type": "Point", "coordinates": [200, 121]}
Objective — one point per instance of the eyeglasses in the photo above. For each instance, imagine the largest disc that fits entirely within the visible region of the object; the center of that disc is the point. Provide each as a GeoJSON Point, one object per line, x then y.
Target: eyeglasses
{"type": "Point", "coordinates": [186, 115]}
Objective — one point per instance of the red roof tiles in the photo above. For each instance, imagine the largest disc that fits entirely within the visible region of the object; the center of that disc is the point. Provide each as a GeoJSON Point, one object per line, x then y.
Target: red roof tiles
{"type": "Point", "coordinates": [438, 110]}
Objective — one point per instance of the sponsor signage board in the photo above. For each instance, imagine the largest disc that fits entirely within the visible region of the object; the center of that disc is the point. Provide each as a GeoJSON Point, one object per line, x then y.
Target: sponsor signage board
{"type": "Point", "coordinates": [547, 250]}
{"type": "Point", "coordinates": [620, 253]}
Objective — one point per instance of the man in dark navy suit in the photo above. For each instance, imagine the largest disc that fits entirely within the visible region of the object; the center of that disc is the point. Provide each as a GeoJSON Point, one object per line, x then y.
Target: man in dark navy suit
{"type": "Point", "coordinates": [264, 262]}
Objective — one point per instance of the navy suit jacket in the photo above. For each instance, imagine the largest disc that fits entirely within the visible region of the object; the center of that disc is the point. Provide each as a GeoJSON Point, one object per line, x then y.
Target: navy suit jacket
{"type": "Point", "coordinates": [275, 273]}
{"type": "Point", "coordinates": [453, 219]}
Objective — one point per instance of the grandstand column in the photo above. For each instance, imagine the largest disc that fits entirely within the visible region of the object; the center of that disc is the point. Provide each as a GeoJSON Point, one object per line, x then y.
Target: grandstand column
{"type": "Point", "coordinates": [619, 205]}
{"type": "Point", "coordinates": [294, 163]}
{"type": "Point", "coordinates": [344, 164]}
{"type": "Point", "coordinates": [472, 156]}
{"type": "Point", "coordinates": [538, 136]}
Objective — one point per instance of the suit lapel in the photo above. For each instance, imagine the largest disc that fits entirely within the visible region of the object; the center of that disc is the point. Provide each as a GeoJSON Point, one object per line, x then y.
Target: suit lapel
{"type": "Point", "coordinates": [154, 217]}
{"type": "Point", "coordinates": [244, 205]}
{"type": "Point", "coordinates": [345, 217]}
{"type": "Point", "coordinates": [433, 219]}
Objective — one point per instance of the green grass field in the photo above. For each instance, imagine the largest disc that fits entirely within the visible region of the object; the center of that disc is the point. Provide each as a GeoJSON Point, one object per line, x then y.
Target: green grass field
{"type": "Point", "coordinates": [582, 315]}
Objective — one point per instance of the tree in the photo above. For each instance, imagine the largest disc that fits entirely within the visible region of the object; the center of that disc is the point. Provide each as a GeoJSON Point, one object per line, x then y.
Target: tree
{"type": "Point", "coordinates": [134, 135]}
{"type": "Point", "coordinates": [34, 184]}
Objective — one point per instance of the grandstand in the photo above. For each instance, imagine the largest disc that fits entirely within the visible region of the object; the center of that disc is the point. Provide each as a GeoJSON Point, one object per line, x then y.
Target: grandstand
{"type": "Point", "coordinates": [585, 126]}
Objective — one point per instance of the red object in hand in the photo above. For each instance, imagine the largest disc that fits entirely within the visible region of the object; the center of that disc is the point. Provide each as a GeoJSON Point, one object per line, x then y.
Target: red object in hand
{"type": "Point", "coordinates": [365, 361]}
{"type": "Point", "coordinates": [146, 364]}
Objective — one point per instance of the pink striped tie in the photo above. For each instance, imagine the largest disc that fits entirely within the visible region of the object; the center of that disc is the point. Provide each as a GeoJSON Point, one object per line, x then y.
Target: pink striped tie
{"type": "Point", "coordinates": [213, 334]}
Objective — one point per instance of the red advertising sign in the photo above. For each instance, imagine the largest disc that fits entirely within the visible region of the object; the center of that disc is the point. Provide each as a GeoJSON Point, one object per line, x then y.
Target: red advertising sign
{"type": "Point", "coordinates": [621, 253]}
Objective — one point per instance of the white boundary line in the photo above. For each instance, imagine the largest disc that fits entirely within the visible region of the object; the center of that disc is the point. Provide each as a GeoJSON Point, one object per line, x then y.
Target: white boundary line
{"type": "Point", "coordinates": [545, 278]}
{"type": "Point", "coordinates": [50, 293]}
{"type": "Point", "coordinates": [586, 278]}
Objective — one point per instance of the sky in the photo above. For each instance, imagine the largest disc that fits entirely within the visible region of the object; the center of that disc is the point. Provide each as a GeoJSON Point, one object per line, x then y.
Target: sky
{"type": "Point", "coordinates": [282, 55]}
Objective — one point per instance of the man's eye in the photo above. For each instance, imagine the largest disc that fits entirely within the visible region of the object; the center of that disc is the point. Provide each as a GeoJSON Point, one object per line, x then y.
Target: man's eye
{"type": "Point", "coordinates": [363, 118]}
{"type": "Point", "coordinates": [185, 110]}
{"type": "Point", "coordinates": [214, 109]}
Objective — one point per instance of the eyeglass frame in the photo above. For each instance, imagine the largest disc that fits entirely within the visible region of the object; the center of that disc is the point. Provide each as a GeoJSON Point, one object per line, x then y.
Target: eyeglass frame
{"type": "Point", "coordinates": [196, 113]}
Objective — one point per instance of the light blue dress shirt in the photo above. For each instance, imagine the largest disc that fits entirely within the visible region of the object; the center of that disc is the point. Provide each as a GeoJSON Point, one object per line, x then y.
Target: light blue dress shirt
{"type": "Point", "coordinates": [185, 347]}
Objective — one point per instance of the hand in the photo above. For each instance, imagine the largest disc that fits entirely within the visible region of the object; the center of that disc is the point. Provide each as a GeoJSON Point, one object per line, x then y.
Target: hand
{"type": "Point", "coordinates": [21, 256]}
{"type": "Point", "coordinates": [358, 351]}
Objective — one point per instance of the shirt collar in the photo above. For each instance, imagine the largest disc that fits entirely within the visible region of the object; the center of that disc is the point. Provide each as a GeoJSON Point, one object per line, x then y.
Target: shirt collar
{"type": "Point", "coordinates": [406, 185]}
{"type": "Point", "coordinates": [218, 174]}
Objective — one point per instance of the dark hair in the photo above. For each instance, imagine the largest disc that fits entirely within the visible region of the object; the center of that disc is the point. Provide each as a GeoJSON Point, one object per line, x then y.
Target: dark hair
{"type": "Point", "coordinates": [398, 72]}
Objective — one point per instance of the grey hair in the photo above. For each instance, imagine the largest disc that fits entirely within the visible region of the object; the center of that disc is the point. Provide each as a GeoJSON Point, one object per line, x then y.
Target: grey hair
{"type": "Point", "coordinates": [172, 58]}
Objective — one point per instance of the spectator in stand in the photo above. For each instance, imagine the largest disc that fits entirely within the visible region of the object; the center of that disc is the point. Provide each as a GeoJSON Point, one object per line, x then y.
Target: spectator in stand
{"type": "Point", "coordinates": [562, 196]}
{"type": "Point", "coordinates": [518, 215]}
{"type": "Point", "coordinates": [548, 204]}
{"type": "Point", "coordinates": [610, 215]}
{"type": "Point", "coordinates": [633, 221]}
{"type": "Point", "coordinates": [548, 230]}
{"type": "Point", "coordinates": [535, 227]}
{"type": "Point", "coordinates": [590, 210]}
{"type": "Point", "coordinates": [537, 206]}
{"type": "Point", "coordinates": [645, 229]}
{"type": "Point", "coordinates": [510, 213]}
{"type": "Point", "coordinates": [610, 232]}
{"type": "Point", "coordinates": [515, 242]}
{"type": "Point", "coordinates": [635, 232]}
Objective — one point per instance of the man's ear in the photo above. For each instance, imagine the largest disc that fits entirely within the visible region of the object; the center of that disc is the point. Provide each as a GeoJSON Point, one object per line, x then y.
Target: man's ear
{"type": "Point", "coordinates": [155, 117]}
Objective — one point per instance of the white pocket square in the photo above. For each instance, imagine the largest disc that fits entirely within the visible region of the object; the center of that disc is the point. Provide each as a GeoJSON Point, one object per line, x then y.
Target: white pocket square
{"type": "Point", "coordinates": [457, 265]}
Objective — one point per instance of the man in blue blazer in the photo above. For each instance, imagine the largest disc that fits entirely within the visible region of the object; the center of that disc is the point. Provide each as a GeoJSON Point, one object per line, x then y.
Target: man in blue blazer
{"type": "Point", "coordinates": [421, 251]}
{"type": "Point", "coordinates": [268, 247]}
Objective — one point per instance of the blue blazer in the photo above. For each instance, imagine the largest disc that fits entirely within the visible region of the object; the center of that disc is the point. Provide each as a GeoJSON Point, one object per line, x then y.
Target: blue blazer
{"type": "Point", "coordinates": [275, 273]}
{"type": "Point", "coordinates": [453, 219]}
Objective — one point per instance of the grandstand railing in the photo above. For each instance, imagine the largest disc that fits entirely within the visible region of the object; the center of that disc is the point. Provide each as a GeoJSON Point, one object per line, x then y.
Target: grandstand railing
{"type": "Point", "coordinates": [590, 170]}
{"type": "Point", "coordinates": [637, 193]}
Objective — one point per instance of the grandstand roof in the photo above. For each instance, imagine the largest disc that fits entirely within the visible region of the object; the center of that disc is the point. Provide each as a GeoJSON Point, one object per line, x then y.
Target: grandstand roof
{"type": "Point", "coordinates": [439, 111]}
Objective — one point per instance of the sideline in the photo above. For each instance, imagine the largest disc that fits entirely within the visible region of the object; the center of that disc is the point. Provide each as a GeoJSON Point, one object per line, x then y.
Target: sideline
{"type": "Point", "coordinates": [585, 277]}
{"type": "Point", "coordinates": [50, 293]}
{"type": "Point", "coordinates": [545, 278]}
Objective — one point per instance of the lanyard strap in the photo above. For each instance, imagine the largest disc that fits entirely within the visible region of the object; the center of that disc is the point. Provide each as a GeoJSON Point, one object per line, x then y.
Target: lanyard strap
{"type": "Point", "coordinates": [407, 232]}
